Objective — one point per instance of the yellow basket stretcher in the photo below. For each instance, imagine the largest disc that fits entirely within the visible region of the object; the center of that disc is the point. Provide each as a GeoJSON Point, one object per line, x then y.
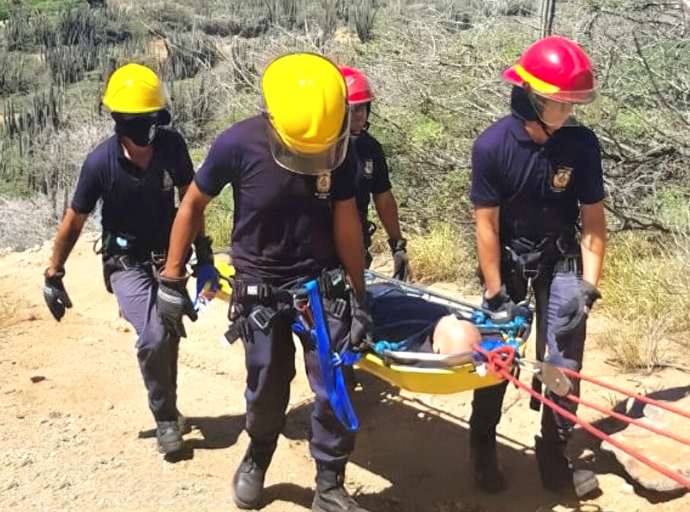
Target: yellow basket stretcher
{"type": "Point", "coordinates": [412, 371]}
{"type": "Point", "coordinates": [443, 374]}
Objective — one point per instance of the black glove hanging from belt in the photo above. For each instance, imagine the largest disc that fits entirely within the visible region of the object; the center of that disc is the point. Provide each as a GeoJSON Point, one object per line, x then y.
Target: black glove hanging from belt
{"type": "Point", "coordinates": [401, 263]}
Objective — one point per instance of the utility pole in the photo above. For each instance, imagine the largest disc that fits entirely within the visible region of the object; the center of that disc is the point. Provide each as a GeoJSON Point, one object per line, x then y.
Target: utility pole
{"type": "Point", "coordinates": [548, 13]}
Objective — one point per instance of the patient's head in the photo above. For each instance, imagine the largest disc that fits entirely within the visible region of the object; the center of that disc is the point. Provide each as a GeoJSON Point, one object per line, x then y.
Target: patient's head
{"type": "Point", "coordinates": [454, 336]}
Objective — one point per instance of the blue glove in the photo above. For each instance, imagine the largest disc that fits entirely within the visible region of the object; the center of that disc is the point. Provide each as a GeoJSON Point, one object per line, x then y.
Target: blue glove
{"type": "Point", "coordinates": [206, 282]}
{"type": "Point", "coordinates": [205, 272]}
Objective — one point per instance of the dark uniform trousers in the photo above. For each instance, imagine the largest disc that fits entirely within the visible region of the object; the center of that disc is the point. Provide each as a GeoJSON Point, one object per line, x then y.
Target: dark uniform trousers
{"type": "Point", "coordinates": [551, 292]}
{"type": "Point", "coordinates": [157, 351]}
{"type": "Point", "coordinates": [270, 364]}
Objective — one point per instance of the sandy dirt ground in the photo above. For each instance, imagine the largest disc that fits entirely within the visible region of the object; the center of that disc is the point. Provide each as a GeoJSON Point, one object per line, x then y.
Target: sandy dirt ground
{"type": "Point", "coordinates": [75, 430]}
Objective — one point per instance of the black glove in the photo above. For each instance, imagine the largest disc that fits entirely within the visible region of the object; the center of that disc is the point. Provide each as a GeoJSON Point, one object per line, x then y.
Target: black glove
{"type": "Point", "coordinates": [501, 306]}
{"type": "Point", "coordinates": [401, 264]}
{"type": "Point", "coordinates": [362, 326]}
{"type": "Point", "coordinates": [574, 312]}
{"type": "Point", "coordinates": [55, 295]}
{"type": "Point", "coordinates": [173, 302]}
{"type": "Point", "coordinates": [203, 250]}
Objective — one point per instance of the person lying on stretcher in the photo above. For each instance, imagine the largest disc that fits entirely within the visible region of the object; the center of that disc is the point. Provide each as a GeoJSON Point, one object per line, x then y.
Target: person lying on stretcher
{"type": "Point", "coordinates": [423, 326]}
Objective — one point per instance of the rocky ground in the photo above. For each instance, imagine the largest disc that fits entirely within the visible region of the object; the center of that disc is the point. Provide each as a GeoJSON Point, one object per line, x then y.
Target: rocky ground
{"type": "Point", "coordinates": [75, 431]}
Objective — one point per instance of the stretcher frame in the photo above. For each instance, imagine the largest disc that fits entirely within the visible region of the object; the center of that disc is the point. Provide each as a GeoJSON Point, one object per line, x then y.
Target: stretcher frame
{"type": "Point", "coordinates": [440, 374]}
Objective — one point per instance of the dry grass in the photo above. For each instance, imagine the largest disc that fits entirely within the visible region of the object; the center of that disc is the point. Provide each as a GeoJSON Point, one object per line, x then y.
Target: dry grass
{"type": "Point", "coordinates": [646, 290]}
{"type": "Point", "coordinates": [441, 254]}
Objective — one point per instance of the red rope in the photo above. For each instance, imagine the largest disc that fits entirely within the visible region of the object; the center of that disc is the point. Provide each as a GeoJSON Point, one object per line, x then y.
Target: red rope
{"type": "Point", "coordinates": [628, 419]}
{"type": "Point", "coordinates": [641, 398]}
{"type": "Point", "coordinates": [498, 367]}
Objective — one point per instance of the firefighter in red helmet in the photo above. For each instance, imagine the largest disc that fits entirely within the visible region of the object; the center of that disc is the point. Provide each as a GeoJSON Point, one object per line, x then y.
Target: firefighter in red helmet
{"type": "Point", "coordinates": [373, 178]}
{"type": "Point", "coordinates": [537, 189]}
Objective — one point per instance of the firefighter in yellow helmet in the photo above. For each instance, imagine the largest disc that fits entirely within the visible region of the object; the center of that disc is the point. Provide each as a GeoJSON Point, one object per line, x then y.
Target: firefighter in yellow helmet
{"type": "Point", "coordinates": [135, 173]}
{"type": "Point", "coordinates": [295, 217]}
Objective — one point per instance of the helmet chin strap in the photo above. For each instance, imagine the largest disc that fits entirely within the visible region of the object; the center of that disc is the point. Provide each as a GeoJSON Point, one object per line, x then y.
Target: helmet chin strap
{"type": "Point", "coordinates": [538, 107]}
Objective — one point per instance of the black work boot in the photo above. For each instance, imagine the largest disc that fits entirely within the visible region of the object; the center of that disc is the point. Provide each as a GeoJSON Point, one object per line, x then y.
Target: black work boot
{"type": "Point", "coordinates": [558, 472]}
{"type": "Point", "coordinates": [248, 481]}
{"type": "Point", "coordinates": [169, 437]}
{"type": "Point", "coordinates": [331, 495]}
{"type": "Point", "coordinates": [488, 475]}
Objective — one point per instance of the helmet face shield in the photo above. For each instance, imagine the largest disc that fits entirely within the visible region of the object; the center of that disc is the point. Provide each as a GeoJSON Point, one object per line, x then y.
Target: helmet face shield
{"type": "Point", "coordinates": [304, 101]}
{"type": "Point", "coordinates": [315, 163]}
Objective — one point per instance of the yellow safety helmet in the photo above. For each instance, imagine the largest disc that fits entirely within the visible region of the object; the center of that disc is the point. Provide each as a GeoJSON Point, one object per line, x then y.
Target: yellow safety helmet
{"type": "Point", "coordinates": [304, 97]}
{"type": "Point", "coordinates": [134, 89]}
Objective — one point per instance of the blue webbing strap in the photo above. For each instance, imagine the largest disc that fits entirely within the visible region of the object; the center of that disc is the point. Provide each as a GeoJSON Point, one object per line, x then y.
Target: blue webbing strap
{"type": "Point", "coordinates": [330, 363]}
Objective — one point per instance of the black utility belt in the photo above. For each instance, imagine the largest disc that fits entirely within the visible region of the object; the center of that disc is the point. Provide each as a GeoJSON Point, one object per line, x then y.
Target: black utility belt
{"type": "Point", "coordinates": [332, 285]}
{"type": "Point", "coordinates": [127, 260]}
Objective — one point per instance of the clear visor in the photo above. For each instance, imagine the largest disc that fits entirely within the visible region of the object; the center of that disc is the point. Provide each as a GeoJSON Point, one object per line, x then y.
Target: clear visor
{"type": "Point", "coordinates": [587, 112]}
{"type": "Point", "coordinates": [309, 163]}
{"type": "Point", "coordinates": [574, 97]}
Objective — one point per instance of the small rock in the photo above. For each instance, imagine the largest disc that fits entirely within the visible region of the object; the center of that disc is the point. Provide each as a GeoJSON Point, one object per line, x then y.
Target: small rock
{"type": "Point", "coordinates": [37, 378]}
{"type": "Point", "coordinates": [627, 488]}
{"type": "Point", "coordinates": [108, 406]}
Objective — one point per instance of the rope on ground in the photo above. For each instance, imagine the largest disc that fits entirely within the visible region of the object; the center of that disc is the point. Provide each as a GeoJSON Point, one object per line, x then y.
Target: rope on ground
{"type": "Point", "coordinates": [640, 398]}
{"type": "Point", "coordinates": [499, 363]}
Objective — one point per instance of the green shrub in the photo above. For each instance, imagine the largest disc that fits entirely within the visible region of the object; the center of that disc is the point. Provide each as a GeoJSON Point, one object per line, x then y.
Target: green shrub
{"type": "Point", "coordinates": [17, 73]}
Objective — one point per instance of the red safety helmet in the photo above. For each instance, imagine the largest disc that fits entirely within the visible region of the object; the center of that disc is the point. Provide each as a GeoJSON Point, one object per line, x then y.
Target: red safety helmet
{"type": "Point", "coordinates": [555, 68]}
{"type": "Point", "coordinates": [358, 90]}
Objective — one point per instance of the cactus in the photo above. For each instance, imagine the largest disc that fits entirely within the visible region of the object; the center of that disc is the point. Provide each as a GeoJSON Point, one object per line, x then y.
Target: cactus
{"type": "Point", "coordinates": [82, 24]}
{"type": "Point", "coordinates": [69, 64]}
{"type": "Point", "coordinates": [193, 106]}
{"type": "Point", "coordinates": [44, 112]}
{"type": "Point", "coordinates": [189, 53]}
{"type": "Point", "coordinates": [328, 20]}
{"type": "Point", "coordinates": [362, 13]}
{"type": "Point", "coordinates": [243, 65]}
{"type": "Point", "coordinates": [15, 75]}
{"type": "Point", "coordinates": [18, 31]}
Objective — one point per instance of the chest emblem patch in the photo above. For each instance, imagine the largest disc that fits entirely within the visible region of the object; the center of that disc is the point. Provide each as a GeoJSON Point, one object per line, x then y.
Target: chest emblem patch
{"type": "Point", "coordinates": [368, 168]}
{"type": "Point", "coordinates": [323, 183]}
{"type": "Point", "coordinates": [167, 180]}
{"type": "Point", "coordinates": [561, 178]}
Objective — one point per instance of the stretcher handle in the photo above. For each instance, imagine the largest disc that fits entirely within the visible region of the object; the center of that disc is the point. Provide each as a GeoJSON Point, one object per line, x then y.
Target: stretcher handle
{"type": "Point", "coordinates": [423, 291]}
{"type": "Point", "coordinates": [440, 360]}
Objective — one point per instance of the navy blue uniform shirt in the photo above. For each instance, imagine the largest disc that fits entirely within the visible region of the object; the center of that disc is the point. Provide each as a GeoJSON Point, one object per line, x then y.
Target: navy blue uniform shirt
{"type": "Point", "coordinates": [136, 203]}
{"type": "Point", "coordinates": [283, 221]}
{"type": "Point", "coordinates": [372, 173]}
{"type": "Point", "coordinates": [538, 187]}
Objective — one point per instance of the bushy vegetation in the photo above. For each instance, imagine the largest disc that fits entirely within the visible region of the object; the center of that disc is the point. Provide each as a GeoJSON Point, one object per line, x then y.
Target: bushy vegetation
{"type": "Point", "coordinates": [435, 67]}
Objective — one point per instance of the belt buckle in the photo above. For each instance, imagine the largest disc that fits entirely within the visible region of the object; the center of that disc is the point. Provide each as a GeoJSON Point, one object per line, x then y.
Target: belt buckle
{"type": "Point", "coordinates": [261, 318]}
